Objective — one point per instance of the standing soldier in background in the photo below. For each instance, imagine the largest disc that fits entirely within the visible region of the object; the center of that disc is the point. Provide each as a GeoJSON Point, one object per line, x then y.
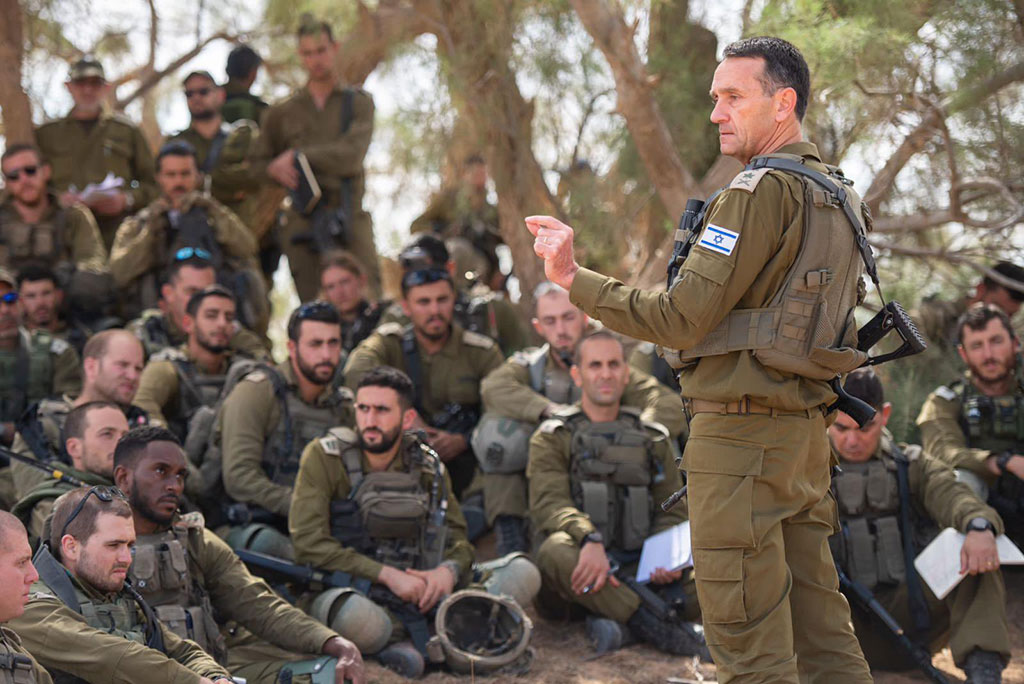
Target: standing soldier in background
{"type": "Point", "coordinates": [242, 68]}
{"type": "Point", "coordinates": [92, 142]}
{"type": "Point", "coordinates": [331, 126]}
{"type": "Point", "coordinates": [757, 458]}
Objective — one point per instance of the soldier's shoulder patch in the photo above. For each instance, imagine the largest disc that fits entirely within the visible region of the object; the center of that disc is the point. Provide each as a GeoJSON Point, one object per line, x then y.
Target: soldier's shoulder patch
{"type": "Point", "coordinates": [257, 376]}
{"type": "Point", "coordinates": [169, 354]}
{"type": "Point", "coordinates": [475, 339]}
{"type": "Point", "coordinates": [344, 394]}
{"type": "Point", "coordinates": [549, 426]}
{"type": "Point", "coordinates": [912, 452]}
{"type": "Point", "coordinates": [944, 392]}
{"type": "Point", "coordinates": [747, 179]}
{"type": "Point", "coordinates": [42, 595]}
{"type": "Point", "coordinates": [718, 239]}
{"type": "Point", "coordinates": [58, 346]}
{"type": "Point", "coordinates": [656, 427]}
{"type": "Point", "coordinates": [336, 439]}
{"type": "Point", "coordinates": [392, 328]}
{"type": "Point", "coordinates": [192, 521]}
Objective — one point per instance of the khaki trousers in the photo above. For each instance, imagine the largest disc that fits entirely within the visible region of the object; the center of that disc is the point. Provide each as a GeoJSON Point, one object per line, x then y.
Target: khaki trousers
{"type": "Point", "coordinates": [259, 661]}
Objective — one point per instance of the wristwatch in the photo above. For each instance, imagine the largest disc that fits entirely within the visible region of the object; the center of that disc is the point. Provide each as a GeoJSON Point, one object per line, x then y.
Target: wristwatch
{"type": "Point", "coordinates": [1002, 460]}
{"type": "Point", "coordinates": [979, 524]}
{"type": "Point", "coordinates": [596, 537]}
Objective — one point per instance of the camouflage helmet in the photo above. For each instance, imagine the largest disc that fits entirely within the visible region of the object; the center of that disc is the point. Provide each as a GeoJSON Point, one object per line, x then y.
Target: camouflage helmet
{"type": "Point", "coordinates": [501, 444]}
{"type": "Point", "coordinates": [481, 633]}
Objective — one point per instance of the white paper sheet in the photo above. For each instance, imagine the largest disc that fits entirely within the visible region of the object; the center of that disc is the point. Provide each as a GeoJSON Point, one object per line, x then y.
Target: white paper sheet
{"type": "Point", "coordinates": [939, 563]}
{"type": "Point", "coordinates": [669, 549]}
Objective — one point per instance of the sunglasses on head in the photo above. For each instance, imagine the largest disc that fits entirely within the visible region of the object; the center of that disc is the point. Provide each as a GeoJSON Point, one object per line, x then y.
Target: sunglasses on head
{"type": "Point", "coordinates": [15, 174]}
{"type": "Point", "coordinates": [103, 493]}
{"type": "Point", "coordinates": [9, 298]}
{"type": "Point", "coordinates": [424, 277]}
{"type": "Point", "coordinates": [192, 253]}
{"type": "Point", "coordinates": [189, 92]}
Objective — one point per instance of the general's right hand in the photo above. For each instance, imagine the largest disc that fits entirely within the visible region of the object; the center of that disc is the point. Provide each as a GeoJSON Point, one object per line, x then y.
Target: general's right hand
{"type": "Point", "coordinates": [407, 587]}
{"type": "Point", "coordinates": [553, 243]}
{"type": "Point", "coordinates": [282, 169]}
{"type": "Point", "coordinates": [592, 569]}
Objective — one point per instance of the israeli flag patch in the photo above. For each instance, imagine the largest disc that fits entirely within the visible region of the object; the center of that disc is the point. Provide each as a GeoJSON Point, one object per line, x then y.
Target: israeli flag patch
{"type": "Point", "coordinates": [718, 239]}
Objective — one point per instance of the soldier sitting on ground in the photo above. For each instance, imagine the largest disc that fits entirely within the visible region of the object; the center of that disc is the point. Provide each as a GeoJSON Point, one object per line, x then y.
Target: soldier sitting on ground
{"type": "Point", "coordinates": [378, 504]}
{"type": "Point", "coordinates": [882, 490]}
{"type": "Point", "coordinates": [343, 284]}
{"type": "Point", "coordinates": [83, 621]}
{"type": "Point", "coordinates": [163, 327]}
{"type": "Point", "coordinates": [91, 432]}
{"type": "Point", "coordinates": [17, 575]}
{"type": "Point", "coordinates": [184, 222]}
{"type": "Point", "coordinates": [533, 385]}
{"type": "Point", "coordinates": [42, 302]}
{"type": "Point", "coordinates": [597, 473]}
{"type": "Point", "coordinates": [211, 598]}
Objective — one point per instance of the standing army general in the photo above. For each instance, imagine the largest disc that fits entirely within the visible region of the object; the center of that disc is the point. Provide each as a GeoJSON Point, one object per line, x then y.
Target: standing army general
{"type": "Point", "coordinates": [757, 459]}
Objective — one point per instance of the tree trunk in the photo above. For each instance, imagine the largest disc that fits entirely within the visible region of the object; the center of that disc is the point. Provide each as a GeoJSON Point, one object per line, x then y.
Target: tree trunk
{"type": "Point", "coordinates": [17, 112]}
{"type": "Point", "coordinates": [375, 33]}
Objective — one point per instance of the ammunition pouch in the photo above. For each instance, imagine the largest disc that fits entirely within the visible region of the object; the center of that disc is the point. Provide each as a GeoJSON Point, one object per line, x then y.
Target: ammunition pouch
{"type": "Point", "coordinates": [393, 505]}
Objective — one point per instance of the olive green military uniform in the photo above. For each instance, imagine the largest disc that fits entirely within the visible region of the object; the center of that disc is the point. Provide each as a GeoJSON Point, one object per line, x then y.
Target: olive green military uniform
{"type": "Point", "coordinates": [535, 380]}
{"type": "Point", "coordinates": [17, 666]}
{"type": "Point", "coordinates": [368, 317]}
{"type": "Point", "coordinates": [645, 359]}
{"type": "Point", "coordinates": [239, 103]}
{"type": "Point", "coordinates": [157, 331]}
{"type": "Point", "coordinates": [443, 382]}
{"type": "Point", "coordinates": [106, 641]}
{"type": "Point", "coordinates": [81, 153]}
{"type": "Point", "coordinates": [870, 550]}
{"type": "Point", "coordinates": [758, 481]}
{"type": "Point", "coordinates": [336, 159]}
{"type": "Point", "coordinates": [188, 570]}
{"type": "Point", "coordinates": [560, 498]}
{"type": "Point", "coordinates": [257, 469]}
{"type": "Point", "coordinates": [463, 213]}
{"type": "Point", "coordinates": [146, 244]}
{"type": "Point", "coordinates": [34, 508]}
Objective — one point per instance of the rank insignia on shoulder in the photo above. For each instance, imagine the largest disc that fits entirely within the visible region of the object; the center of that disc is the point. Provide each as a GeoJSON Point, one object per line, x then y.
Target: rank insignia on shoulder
{"type": "Point", "coordinates": [945, 393]}
{"type": "Point", "coordinates": [747, 179]}
{"type": "Point", "coordinates": [719, 240]}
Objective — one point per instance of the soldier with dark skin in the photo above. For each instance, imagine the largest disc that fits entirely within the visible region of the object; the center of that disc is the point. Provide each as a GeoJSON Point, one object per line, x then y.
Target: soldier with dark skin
{"type": "Point", "coordinates": [92, 142]}
{"type": "Point", "coordinates": [972, 618]}
{"type": "Point", "coordinates": [311, 122]}
{"type": "Point", "coordinates": [242, 68]}
{"type": "Point", "coordinates": [757, 457]}
{"type": "Point", "coordinates": [264, 635]}
{"type": "Point", "coordinates": [83, 621]}
{"type": "Point", "coordinates": [449, 363]}
{"type": "Point", "coordinates": [17, 575]}
{"type": "Point", "coordinates": [343, 283]}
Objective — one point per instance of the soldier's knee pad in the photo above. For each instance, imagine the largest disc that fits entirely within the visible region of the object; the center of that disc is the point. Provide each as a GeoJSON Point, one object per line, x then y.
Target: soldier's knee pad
{"type": "Point", "coordinates": [557, 551]}
{"type": "Point", "coordinates": [355, 617]}
{"type": "Point", "coordinates": [972, 480]}
{"type": "Point", "coordinates": [501, 445]}
{"type": "Point", "coordinates": [262, 539]}
{"type": "Point", "coordinates": [513, 575]}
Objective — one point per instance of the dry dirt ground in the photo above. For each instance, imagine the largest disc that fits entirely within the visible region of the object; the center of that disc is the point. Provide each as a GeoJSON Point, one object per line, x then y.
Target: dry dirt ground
{"type": "Point", "coordinates": [562, 657]}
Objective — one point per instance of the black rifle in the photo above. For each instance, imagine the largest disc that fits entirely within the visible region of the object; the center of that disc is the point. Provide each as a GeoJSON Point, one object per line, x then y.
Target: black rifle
{"type": "Point", "coordinates": [456, 418]}
{"type": "Point", "coordinates": [52, 471]}
{"type": "Point", "coordinates": [862, 596]}
{"type": "Point", "coordinates": [328, 229]}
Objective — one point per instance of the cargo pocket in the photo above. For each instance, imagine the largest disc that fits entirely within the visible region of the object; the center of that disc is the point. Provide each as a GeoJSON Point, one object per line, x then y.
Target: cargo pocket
{"type": "Point", "coordinates": [719, 575]}
{"type": "Point", "coordinates": [720, 488]}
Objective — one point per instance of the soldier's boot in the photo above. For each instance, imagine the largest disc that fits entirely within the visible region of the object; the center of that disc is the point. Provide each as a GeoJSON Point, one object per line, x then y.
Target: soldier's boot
{"type": "Point", "coordinates": [511, 534]}
{"type": "Point", "coordinates": [983, 667]}
{"type": "Point", "coordinates": [607, 635]}
{"type": "Point", "coordinates": [677, 638]}
{"type": "Point", "coordinates": [476, 519]}
{"type": "Point", "coordinates": [404, 659]}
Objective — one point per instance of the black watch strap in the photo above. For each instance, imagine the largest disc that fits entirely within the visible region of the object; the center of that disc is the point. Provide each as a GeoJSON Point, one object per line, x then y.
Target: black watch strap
{"type": "Point", "coordinates": [1002, 460]}
{"type": "Point", "coordinates": [980, 524]}
{"type": "Point", "coordinates": [592, 537]}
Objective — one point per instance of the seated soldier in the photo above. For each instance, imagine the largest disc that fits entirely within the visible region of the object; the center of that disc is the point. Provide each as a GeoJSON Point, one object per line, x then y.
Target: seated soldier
{"type": "Point", "coordinates": [487, 313]}
{"type": "Point", "coordinates": [164, 327]}
{"type": "Point", "coordinates": [213, 599]}
{"type": "Point", "coordinates": [83, 621]}
{"type": "Point", "coordinates": [413, 542]}
{"type": "Point", "coordinates": [645, 359]}
{"type": "Point", "coordinates": [874, 511]}
{"type": "Point", "coordinates": [42, 303]}
{"type": "Point", "coordinates": [271, 415]}
{"type": "Point", "coordinates": [976, 424]}
{"type": "Point", "coordinates": [90, 433]}
{"type": "Point", "coordinates": [183, 220]}
{"type": "Point", "coordinates": [17, 575]}
{"type": "Point", "coordinates": [111, 366]}
{"type": "Point", "coordinates": [445, 361]}
{"type": "Point", "coordinates": [599, 450]}
{"type": "Point", "coordinates": [343, 284]}
{"type": "Point", "coordinates": [531, 386]}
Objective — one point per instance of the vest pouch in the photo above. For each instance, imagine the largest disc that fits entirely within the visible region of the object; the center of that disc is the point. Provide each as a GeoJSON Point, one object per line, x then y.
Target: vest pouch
{"type": "Point", "coordinates": [347, 523]}
{"type": "Point", "coordinates": [144, 570]}
{"type": "Point", "coordinates": [883, 492]}
{"type": "Point", "coordinates": [860, 550]}
{"type": "Point", "coordinates": [598, 501]}
{"type": "Point", "coordinates": [200, 427]}
{"type": "Point", "coordinates": [889, 551]}
{"type": "Point", "coordinates": [1004, 417]}
{"type": "Point", "coordinates": [630, 464]}
{"type": "Point", "coordinates": [851, 491]}
{"type": "Point", "coordinates": [172, 565]}
{"type": "Point", "coordinates": [175, 618]}
{"type": "Point", "coordinates": [392, 505]}
{"type": "Point", "coordinates": [197, 625]}
{"type": "Point", "coordinates": [636, 517]}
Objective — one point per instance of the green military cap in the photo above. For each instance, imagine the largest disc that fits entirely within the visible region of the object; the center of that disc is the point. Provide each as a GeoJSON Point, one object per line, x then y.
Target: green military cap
{"type": "Point", "coordinates": [8, 277]}
{"type": "Point", "coordinates": [86, 67]}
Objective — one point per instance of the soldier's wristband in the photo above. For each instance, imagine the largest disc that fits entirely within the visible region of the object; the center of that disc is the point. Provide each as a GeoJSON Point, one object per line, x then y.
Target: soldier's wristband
{"type": "Point", "coordinates": [453, 567]}
{"type": "Point", "coordinates": [1002, 460]}
{"type": "Point", "coordinates": [980, 524]}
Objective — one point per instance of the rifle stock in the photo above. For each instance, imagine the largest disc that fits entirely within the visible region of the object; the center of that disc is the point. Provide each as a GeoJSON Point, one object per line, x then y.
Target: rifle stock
{"type": "Point", "coordinates": [55, 473]}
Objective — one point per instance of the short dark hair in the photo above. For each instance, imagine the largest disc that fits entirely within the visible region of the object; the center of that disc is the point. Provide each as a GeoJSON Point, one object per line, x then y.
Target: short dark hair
{"type": "Point", "coordinates": [977, 317]}
{"type": "Point", "coordinates": [864, 384]}
{"type": "Point", "coordinates": [77, 421]}
{"type": "Point", "coordinates": [241, 61]}
{"type": "Point", "coordinates": [84, 524]}
{"type": "Point", "coordinates": [196, 300]}
{"type": "Point", "coordinates": [784, 66]}
{"type": "Point", "coordinates": [392, 378]}
{"type": "Point", "coordinates": [177, 148]}
{"type": "Point", "coordinates": [317, 310]}
{"type": "Point", "coordinates": [339, 258]}
{"type": "Point", "coordinates": [96, 346]}
{"type": "Point", "coordinates": [423, 250]}
{"type": "Point", "coordinates": [133, 444]}
{"type": "Point", "coordinates": [18, 148]}
{"type": "Point", "coordinates": [174, 268]}
{"type": "Point", "coordinates": [33, 273]}
{"type": "Point", "coordinates": [596, 335]}
{"type": "Point", "coordinates": [1011, 271]}
{"type": "Point", "coordinates": [311, 26]}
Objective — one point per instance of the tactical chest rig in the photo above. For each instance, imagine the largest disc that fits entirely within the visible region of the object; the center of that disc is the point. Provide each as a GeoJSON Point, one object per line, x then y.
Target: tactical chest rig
{"type": "Point", "coordinates": [15, 668]}
{"type": "Point", "coordinates": [195, 389]}
{"type": "Point", "coordinates": [40, 242]}
{"type": "Point", "coordinates": [26, 373]}
{"type": "Point", "coordinates": [612, 467]}
{"type": "Point", "coordinates": [558, 387]}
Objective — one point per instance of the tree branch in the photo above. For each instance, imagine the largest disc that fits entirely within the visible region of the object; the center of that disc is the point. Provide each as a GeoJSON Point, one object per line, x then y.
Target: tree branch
{"type": "Point", "coordinates": [376, 32]}
{"type": "Point", "coordinates": [152, 79]}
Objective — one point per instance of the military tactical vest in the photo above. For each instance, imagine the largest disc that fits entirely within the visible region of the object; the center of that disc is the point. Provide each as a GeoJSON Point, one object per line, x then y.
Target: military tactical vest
{"type": "Point", "coordinates": [390, 515]}
{"type": "Point", "coordinates": [554, 383]}
{"type": "Point", "coordinates": [352, 333]}
{"type": "Point", "coordinates": [476, 314]}
{"type": "Point", "coordinates": [195, 389]}
{"type": "Point", "coordinates": [163, 573]}
{"type": "Point", "coordinates": [612, 467]}
{"type": "Point", "coordinates": [15, 668]}
{"type": "Point", "coordinates": [807, 327]}
{"type": "Point", "coordinates": [26, 373]}
{"type": "Point", "coordinates": [152, 330]}
{"type": "Point", "coordinates": [41, 242]}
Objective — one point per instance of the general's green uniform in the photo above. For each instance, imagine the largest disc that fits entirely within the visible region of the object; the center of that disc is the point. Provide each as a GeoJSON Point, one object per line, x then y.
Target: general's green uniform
{"type": "Point", "coordinates": [202, 591]}
{"type": "Point", "coordinates": [445, 381]}
{"type": "Point", "coordinates": [336, 159]}
{"type": "Point", "coordinates": [106, 641]}
{"type": "Point", "coordinates": [239, 103]}
{"type": "Point", "coordinates": [84, 152]}
{"type": "Point", "coordinates": [758, 477]}
{"type": "Point", "coordinates": [259, 466]}
{"type": "Point", "coordinates": [35, 507]}
{"type": "Point", "coordinates": [870, 550]}
{"type": "Point", "coordinates": [147, 242]}
{"type": "Point", "coordinates": [536, 380]}
{"type": "Point", "coordinates": [157, 331]}
{"type": "Point", "coordinates": [17, 666]}
{"type": "Point", "coordinates": [638, 473]}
